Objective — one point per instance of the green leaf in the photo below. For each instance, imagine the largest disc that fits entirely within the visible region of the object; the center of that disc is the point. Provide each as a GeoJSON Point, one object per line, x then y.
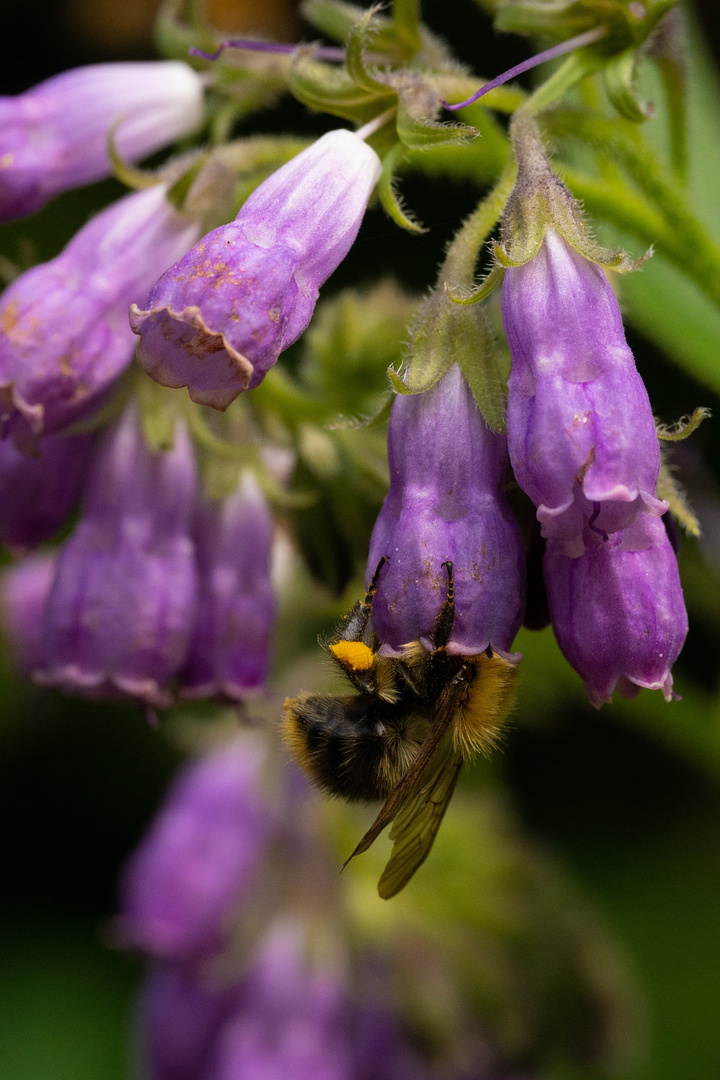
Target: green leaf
{"type": "Point", "coordinates": [672, 313]}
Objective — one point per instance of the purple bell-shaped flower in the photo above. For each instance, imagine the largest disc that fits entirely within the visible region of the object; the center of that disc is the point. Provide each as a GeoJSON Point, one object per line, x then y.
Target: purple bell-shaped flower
{"type": "Point", "coordinates": [24, 591]}
{"type": "Point", "coordinates": [65, 335]}
{"type": "Point", "coordinates": [581, 433]}
{"type": "Point", "coordinates": [292, 1020]}
{"type": "Point", "coordinates": [55, 136]}
{"type": "Point", "coordinates": [120, 614]}
{"type": "Point", "coordinates": [201, 858]}
{"type": "Point", "coordinates": [231, 643]}
{"type": "Point", "coordinates": [617, 610]}
{"type": "Point", "coordinates": [217, 320]}
{"type": "Point", "coordinates": [37, 493]}
{"type": "Point", "coordinates": [446, 503]}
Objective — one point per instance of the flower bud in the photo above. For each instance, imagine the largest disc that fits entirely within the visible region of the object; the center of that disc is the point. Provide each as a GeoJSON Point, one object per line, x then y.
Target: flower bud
{"type": "Point", "coordinates": [65, 335]}
{"type": "Point", "coordinates": [55, 136]}
{"type": "Point", "coordinates": [217, 320]}
{"type": "Point", "coordinates": [24, 590]}
{"type": "Point", "coordinates": [617, 610]}
{"type": "Point", "coordinates": [201, 858]}
{"type": "Point", "coordinates": [120, 614]}
{"type": "Point", "coordinates": [446, 503]}
{"type": "Point", "coordinates": [581, 433]}
{"type": "Point", "coordinates": [38, 493]}
{"type": "Point", "coordinates": [230, 649]}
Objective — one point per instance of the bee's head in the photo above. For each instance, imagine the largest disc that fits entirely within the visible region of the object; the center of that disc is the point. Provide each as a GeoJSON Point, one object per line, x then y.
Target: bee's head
{"type": "Point", "coordinates": [368, 672]}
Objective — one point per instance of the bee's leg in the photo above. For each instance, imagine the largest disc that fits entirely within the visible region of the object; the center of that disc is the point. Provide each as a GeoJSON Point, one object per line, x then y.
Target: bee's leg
{"type": "Point", "coordinates": [446, 615]}
{"type": "Point", "coordinates": [355, 623]}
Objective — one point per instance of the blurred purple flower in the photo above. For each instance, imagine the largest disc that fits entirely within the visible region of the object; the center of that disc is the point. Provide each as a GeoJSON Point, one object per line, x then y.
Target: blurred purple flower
{"type": "Point", "coordinates": [38, 493]}
{"type": "Point", "coordinates": [24, 590]}
{"type": "Point", "coordinates": [119, 617]}
{"type": "Point", "coordinates": [230, 650]}
{"type": "Point", "coordinates": [201, 858]}
{"type": "Point", "coordinates": [217, 320]}
{"type": "Point", "coordinates": [618, 610]}
{"type": "Point", "coordinates": [64, 334]}
{"type": "Point", "coordinates": [581, 433]}
{"type": "Point", "coordinates": [293, 1022]}
{"type": "Point", "coordinates": [55, 135]}
{"type": "Point", "coordinates": [446, 503]}
{"type": "Point", "coordinates": [179, 1017]}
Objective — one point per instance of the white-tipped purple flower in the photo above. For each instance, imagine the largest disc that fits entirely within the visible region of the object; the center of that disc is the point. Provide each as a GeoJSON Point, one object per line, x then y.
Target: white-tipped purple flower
{"type": "Point", "coordinates": [24, 590]}
{"type": "Point", "coordinates": [64, 334]}
{"type": "Point", "coordinates": [618, 610]}
{"type": "Point", "coordinates": [55, 136]}
{"type": "Point", "coordinates": [446, 503]}
{"type": "Point", "coordinates": [201, 858]}
{"type": "Point", "coordinates": [231, 644]}
{"type": "Point", "coordinates": [217, 320]}
{"type": "Point", "coordinates": [121, 610]}
{"type": "Point", "coordinates": [37, 493]}
{"type": "Point", "coordinates": [581, 434]}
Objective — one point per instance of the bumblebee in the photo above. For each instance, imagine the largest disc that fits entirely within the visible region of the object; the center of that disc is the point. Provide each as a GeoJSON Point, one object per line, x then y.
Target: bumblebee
{"type": "Point", "coordinates": [405, 732]}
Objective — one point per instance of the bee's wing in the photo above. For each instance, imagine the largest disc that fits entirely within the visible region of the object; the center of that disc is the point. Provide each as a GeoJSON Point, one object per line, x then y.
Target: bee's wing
{"type": "Point", "coordinates": [418, 802]}
{"type": "Point", "coordinates": [418, 820]}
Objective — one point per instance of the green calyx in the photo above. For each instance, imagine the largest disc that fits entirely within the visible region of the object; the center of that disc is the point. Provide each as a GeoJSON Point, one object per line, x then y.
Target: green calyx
{"type": "Point", "coordinates": [360, 91]}
{"type": "Point", "coordinates": [540, 200]}
{"type": "Point", "coordinates": [628, 22]}
{"type": "Point", "coordinates": [447, 331]}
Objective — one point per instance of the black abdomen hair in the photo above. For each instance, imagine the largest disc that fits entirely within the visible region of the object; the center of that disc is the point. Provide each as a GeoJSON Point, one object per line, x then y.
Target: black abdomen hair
{"type": "Point", "coordinates": [356, 747]}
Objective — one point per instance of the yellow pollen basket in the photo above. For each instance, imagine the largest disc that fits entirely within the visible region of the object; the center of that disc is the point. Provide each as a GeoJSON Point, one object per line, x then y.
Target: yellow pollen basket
{"type": "Point", "coordinates": [353, 655]}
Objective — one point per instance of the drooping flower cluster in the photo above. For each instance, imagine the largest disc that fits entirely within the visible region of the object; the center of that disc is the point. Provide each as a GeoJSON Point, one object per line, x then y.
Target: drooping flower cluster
{"type": "Point", "coordinates": [158, 589]}
{"type": "Point", "coordinates": [141, 595]}
{"type": "Point", "coordinates": [231, 831]}
{"type": "Point", "coordinates": [583, 445]}
{"type": "Point", "coordinates": [242, 981]}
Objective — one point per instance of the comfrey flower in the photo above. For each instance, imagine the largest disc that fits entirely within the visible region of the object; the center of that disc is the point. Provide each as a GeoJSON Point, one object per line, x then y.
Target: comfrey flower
{"type": "Point", "coordinates": [37, 493]}
{"type": "Point", "coordinates": [286, 1018]}
{"type": "Point", "coordinates": [293, 1018]}
{"type": "Point", "coordinates": [121, 609]}
{"type": "Point", "coordinates": [217, 320]}
{"type": "Point", "coordinates": [24, 590]}
{"type": "Point", "coordinates": [179, 1016]}
{"type": "Point", "coordinates": [617, 610]}
{"type": "Point", "coordinates": [581, 434]}
{"type": "Point", "coordinates": [230, 649]}
{"type": "Point", "coordinates": [64, 335]}
{"type": "Point", "coordinates": [446, 503]}
{"type": "Point", "coordinates": [55, 136]}
{"type": "Point", "coordinates": [201, 858]}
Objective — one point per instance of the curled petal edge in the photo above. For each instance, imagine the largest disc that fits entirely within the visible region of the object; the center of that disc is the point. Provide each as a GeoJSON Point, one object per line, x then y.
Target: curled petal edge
{"type": "Point", "coordinates": [205, 342]}
{"type": "Point", "coordinates": [101, 685]}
